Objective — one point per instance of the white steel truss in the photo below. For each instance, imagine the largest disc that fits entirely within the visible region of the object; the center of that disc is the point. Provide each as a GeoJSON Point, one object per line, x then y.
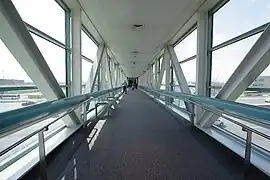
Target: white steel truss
{"type": "Point", "coordinates": [253, 64]}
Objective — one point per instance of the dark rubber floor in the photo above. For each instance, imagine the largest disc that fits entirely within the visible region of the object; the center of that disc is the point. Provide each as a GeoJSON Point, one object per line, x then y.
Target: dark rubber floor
{"type": "Point", "coordinates": [143, 141]}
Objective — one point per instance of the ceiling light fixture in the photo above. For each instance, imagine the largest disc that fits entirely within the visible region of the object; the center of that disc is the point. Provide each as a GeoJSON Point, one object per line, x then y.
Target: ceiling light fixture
{"type": "Point", "coordinates": [137, 26]}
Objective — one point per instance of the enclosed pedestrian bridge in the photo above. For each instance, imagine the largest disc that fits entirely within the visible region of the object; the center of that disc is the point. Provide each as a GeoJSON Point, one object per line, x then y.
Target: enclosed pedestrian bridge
{"type": "Point", "coordinates": [198, 85]}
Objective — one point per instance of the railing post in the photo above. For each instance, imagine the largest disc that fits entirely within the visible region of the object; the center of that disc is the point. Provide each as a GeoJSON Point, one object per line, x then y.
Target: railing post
{"type": "Point", "coordinates": [192, 115]}
{"type": "Point", "coordinates": [42, 156]}
{"type": "Point", "coordinates": [248, 145]}
{"type": "Point", "coordinates": [96, 106]}
{"type": "Point", "coordinates": [84, 113]}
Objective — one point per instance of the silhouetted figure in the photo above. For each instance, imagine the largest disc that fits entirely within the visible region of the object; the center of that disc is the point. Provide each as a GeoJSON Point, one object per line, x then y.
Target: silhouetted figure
{"type": "Point", "coordinates": [124, 87]}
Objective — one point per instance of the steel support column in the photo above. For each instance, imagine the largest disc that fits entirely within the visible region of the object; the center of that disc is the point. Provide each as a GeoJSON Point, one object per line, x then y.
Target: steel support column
{"type": "Point", "coordinates": [156, 73]}
{"type": "Point", "coordinates": [167, 76]}
{"type": "Point", "coordinates": [179, 73]}
{"type": "Point", "coordinates": [162, 69]}
{"type": "Point", "coordinates": [178, 70]}
{"type": "Point", "coordinates": [107, 64]}
{"type": "Point", "coordinates": [103, 71]}
{"type": "Point", "coordinates": [68, 52]}
{"type": "Point", "coordinates": [76, 65]}
{"type": "Point", "coordinates": [94, 73]}
{"type": "Point", "coordinates": [116, 75]}
{"type": "Point", "coordinates": [253, 64]}
{"type": "Point", "coordinates": [76, 52]}
{"type": "Point", "coordinates": [168, 73]}
{"type": "Point", "coordinates": [151, 84]}
{"type": "Point", "coordinates": [17, 38]}
{"type": "Point", "coordinates": [202, 67]}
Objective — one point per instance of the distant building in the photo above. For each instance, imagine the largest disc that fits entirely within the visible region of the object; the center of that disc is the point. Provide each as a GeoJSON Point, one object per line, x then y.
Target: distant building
{"type": "Point", "coordinates": [261, 82]}
{"type": "Point", "coordinates": [9, 82]}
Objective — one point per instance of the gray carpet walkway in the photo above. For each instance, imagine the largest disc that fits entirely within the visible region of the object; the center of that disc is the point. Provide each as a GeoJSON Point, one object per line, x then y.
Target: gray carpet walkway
{"type": "Point", "coordinates": [143, 141]}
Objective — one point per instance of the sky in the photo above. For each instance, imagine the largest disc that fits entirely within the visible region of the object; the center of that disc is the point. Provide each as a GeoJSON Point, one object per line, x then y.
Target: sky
{"type": "Point", "coordinates": [235, 18]}
{"type": "Point", "coordinates": [49, 17]}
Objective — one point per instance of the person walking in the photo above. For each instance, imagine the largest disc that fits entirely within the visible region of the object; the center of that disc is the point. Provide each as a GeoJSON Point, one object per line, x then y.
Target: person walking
{"type": "Point", "coordinates": [133, 85]}
{"type": "Point", "coordinates": [124, 87]}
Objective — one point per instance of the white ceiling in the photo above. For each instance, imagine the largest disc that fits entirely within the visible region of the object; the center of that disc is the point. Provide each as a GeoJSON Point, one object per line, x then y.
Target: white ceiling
{"type": "Point", "coordinates": [113, 19]}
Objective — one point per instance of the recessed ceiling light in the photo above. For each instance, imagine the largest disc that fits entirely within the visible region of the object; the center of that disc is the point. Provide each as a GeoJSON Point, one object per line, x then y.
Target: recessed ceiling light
{"type": "Point", "coordinates": [137, 26]}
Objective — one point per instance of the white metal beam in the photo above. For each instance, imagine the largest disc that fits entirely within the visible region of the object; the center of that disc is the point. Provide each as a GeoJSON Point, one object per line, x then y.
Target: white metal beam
{"type": "Point", "coordinates": [91, 82]}
{"type": "Point", "coordinates": [113, 72]}
{"type": "Point", "coordinates": [162, 69]}
{"type": "Point", "coordinates": [156, 73]}
{"type": "Point", "coordinates": [76, 65]}
{"type": "Point", "coordinates": [167, 70]}
{"type": "Point", "coordinates": [107, 71]}
{"type": "Point", "coordinates": [103, 72]}
{"type": "Point", "coordinates": [117, 76]}
{"type": "Point", "coordinates": [253, 64]}
{"type": "Point", "coordinates": [76, 61]}
{"type": "Point", "coordinates": [201, 62]}
{"type": "Point", "coordinates": [178, 70]}
{"type": "Point", "coordinates": [151, 81]}
{"type": "Point", "coordinates": [18, 40]}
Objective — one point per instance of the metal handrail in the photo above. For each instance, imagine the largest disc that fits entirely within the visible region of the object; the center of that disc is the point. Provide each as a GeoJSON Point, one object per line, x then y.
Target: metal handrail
{"type": "Point", "coordinates": [244, 110]}
{"type": "Point", "coordinates": [19, 117]}
{"type": "Point", "coordinates": [220, 107]}
{"type": "Point", "coordinates": [22, 88]}
{"type": "Point", "coordinates": [67, 102]}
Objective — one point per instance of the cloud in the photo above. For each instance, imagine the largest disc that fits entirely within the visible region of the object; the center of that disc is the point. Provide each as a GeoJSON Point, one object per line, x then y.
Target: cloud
{"type": "Point", "coordinates": [268, 6]}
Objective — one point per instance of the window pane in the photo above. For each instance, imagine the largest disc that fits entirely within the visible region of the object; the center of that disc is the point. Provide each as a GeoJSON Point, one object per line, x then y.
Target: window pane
{"type": "Point", "coordinates": [86, 68]}
{"type": "Point", "coordinates": [54, 56]}
{"type": "Point", "coordinates": [10, 68]}
{"type": "Point", "coordinates": [187, 47]}
{"type": "Point", "coordinates": [259, 96]}
{"type": "Point", "coordinates": [46, 16]}
{"type": "Point", "coordinates": [189, 70]}
{"type": "Point", "coordinates": [238, 17]}
{"type": "Point", "coordinates": [89, 48]}
{"type": "Point", "coordinates": [13, 75]}
{"type": "Point", "coordinates": [226, 60]}
{"type": "Point", "coordinates": [160, 62]}
{"type": "Point", "coordinates": [163, 81]}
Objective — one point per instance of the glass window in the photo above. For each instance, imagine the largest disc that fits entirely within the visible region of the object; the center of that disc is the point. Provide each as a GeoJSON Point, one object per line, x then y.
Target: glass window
{"type": "Point", "coordinates": [160, 62]}
{"type": "Point", "coordinates": [10, 68]}
{"type": "Point", "coordinates": [89, 48]}
{"type": "Point", "coordinates": [86, 68]}
{"type": "Point", "coordinates": [187, 47]}
{"type": "Point", "coordinates": [163, 81]}
{"type": "Point", "coordinates": [46, 16]}
{"type": "Point", "coordinates": [189, 70]}
{"type": "Point", "coordinates": [237, 17]}
{"type": "Point", "coordinates": [54, 56]}
{"type": "Point", "coordinates": [259, 96]}
{"type": "Point", "coordinates": [226, 60]}
{"type": "Point", "coordinates": [175, 82]}
{"type": "Point", "coordinates": [13, 75]}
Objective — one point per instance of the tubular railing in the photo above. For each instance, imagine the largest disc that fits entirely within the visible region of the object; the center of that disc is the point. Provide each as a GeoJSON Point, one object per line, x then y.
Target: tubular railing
{"type": "Point", "coordinates": [222, 108]}
{"type": "Point", "coordinates": [15, 120]}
